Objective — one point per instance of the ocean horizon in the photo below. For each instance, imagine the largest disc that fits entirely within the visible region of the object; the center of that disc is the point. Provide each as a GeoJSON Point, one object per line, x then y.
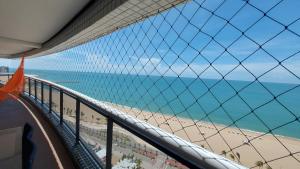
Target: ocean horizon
{"type": "Point", "coordinates": [259, 107]}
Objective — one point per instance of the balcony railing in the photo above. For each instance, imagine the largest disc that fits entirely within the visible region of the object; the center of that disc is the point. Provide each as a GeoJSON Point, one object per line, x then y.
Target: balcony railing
{"type": "Point", "coordinates": [183, 153]}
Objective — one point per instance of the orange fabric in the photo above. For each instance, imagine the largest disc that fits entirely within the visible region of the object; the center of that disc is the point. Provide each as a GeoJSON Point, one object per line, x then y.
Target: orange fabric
{"type": "Point", "coordinates": [15, 85]}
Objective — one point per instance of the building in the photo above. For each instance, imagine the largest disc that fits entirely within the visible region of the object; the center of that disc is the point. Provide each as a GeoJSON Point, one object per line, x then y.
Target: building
{"type": "Point", "coordinates": [4, 69]}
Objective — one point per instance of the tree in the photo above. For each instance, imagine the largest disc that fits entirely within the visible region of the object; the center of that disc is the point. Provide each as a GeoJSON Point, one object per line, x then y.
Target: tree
{"type": "Point", "coordinates": [224, 153]}
{"type": "Point", "coordinates": [238, 156]}
{"type": "Point", "coordinates": [259, 164]}
{"type": "Point", "coordinates": [123, 156]}
{"type": "Point", "coordinates": [138, 164]}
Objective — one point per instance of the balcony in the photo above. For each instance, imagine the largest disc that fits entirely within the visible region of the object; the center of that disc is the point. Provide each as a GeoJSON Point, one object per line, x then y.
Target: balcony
{"type": "Point", "coordinates": [109, 136]}
{"type": "Point", "coordinates": [16, 113]}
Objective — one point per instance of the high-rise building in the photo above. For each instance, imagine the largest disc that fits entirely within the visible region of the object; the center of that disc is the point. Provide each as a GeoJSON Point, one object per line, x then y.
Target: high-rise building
{"type": "Point", "coordinates": [4, 69]}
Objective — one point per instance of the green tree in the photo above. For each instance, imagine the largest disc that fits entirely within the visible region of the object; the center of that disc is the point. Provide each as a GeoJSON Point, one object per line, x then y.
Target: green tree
{"type": "Point", "coordinates": [238, 155]}
{"type": "Point", "coordinates": [259, 164]}
{"type": "Point", "coordinates": [123, 156]}
{"type": "Point", "coordinates": [232, 156]}
{"type": "Point", "coordinates": [224, 153]}
{"type": "Point", "coordinates": [138, 164]}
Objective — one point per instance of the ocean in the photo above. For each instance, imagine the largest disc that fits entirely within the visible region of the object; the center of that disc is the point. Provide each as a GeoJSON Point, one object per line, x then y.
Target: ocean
{"type": "Point", "coordinates": [253, 106]}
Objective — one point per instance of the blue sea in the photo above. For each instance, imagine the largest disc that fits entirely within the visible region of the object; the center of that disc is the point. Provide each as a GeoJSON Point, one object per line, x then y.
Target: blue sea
{"type": "Point", "coordinates": [275, 105]}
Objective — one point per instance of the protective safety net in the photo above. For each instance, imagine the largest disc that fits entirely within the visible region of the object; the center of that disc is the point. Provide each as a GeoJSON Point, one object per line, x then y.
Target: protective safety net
{"type": "Point", "coordinates": [222, 74]}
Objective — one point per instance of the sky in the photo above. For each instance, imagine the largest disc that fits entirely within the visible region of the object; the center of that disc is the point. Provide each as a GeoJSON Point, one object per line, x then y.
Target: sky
{"type": "Point", "coordinates": [178, 42]}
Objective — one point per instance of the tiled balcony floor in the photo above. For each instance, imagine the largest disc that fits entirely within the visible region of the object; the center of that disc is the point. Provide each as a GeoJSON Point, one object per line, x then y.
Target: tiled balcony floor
{"type": "Point", "coordinates": [13, 113]}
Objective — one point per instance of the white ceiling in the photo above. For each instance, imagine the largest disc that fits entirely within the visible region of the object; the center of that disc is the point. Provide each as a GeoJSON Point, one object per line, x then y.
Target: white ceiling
{"type": "Point", "coordinates": [100, 18]}
{"type": "Point", "coordinates": [26, 24]}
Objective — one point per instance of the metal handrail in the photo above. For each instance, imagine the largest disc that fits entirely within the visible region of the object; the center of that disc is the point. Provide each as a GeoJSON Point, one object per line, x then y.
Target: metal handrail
{"type": "Point", "coordinates": [187, 153]}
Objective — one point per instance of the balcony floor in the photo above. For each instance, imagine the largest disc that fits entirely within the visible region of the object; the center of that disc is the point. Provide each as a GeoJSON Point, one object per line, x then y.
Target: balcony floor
{"type": "Point", "coordinates": [15, 113]}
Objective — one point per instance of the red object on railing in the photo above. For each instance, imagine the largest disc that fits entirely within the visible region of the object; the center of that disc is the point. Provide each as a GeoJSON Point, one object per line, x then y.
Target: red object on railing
{"type": "Point", "coordinates": [15, 85]}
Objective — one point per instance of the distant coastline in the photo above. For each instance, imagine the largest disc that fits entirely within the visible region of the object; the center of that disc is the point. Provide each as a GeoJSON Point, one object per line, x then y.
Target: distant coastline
{"type": "Point", "coordinates": [159, 95]}
{"type": "Point", "coordinates": [128, 109]}
{"type": "Point", "coordinates": [213, 137]}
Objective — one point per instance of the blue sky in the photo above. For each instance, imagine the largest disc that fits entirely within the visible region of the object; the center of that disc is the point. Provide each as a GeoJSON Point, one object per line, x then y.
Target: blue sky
{"type": "Point", "coordinates": [171, 44]}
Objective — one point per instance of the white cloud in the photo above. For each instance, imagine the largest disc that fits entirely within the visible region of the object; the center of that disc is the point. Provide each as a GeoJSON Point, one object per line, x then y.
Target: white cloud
{"type": "Point", "coordinates": [155, 66]}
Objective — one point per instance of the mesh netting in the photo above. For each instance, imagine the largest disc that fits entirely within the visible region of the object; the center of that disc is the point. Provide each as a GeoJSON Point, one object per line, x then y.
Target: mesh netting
{"type": "Point", "coordinates": [221, 74]}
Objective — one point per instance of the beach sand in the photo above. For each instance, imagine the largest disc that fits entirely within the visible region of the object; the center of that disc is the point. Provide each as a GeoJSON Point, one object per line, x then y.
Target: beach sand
{"type": "Point", "coordinates": [3, 78]}
{"type": "Point", "coordinates": [252, 146]}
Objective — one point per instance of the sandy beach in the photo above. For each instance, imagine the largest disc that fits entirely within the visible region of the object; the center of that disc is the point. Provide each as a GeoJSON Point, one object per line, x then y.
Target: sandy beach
{"type": "Point", "coordinates": [3, 78]}
{"type": "Point", "coordinates": [251, 146]}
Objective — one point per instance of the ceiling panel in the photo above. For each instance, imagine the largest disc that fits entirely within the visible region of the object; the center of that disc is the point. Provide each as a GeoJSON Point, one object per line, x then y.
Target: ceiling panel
{"type": "Point", "coordinates": [35, 20]}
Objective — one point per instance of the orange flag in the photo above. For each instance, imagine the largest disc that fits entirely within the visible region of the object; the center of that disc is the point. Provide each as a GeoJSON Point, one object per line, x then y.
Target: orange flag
{"type": "Point", "coordinates": [15, 85]}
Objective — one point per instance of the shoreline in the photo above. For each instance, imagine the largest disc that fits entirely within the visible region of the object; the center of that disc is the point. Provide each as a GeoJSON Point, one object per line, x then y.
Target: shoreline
{"type": "Point", "coordinates": [200, 121]}
{"type": "Point", "coordinates": [216, 138]}
{"type": "Point", "coordinates": [186, 118]}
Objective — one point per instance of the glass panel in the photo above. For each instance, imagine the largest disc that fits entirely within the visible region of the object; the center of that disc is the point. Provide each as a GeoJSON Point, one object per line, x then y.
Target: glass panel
{"type": "Point", "coordinates": [129, 151]}
{"type": "Point", "coordinates": [38, 90]}
{"type": "Point", "coordinates": [55, 101]}
{"type": "Point", "coordinates": [26, 87]}
{"type": "Point", "coordinates": [46, 95]}
{"type": "Point", "coordinates": [32, 87]}
{"type": "Point", "coordinates": [69, 110]}
{"type": "Point", "coordinates": [93, 128]}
